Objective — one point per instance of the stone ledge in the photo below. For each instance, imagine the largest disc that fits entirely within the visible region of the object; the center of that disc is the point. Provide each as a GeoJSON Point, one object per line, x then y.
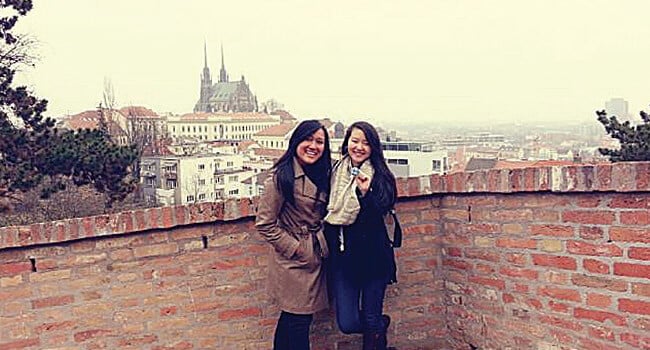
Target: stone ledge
{"type": "Point", "coordinates": [618, 177]}
{"type": "Point", "coordinates": [615, 177]}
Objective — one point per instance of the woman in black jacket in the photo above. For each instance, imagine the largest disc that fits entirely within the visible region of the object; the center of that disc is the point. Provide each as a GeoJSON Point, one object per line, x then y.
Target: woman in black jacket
{"type": "Point", "coordinates": [362, 263]}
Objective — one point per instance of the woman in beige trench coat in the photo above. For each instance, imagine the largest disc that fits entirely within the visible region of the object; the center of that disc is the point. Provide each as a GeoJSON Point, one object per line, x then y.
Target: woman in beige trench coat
{"type": "Point", "coordinates": [289, 218]}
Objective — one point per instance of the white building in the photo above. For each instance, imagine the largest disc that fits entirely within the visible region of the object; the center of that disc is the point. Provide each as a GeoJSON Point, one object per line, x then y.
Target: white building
{"type": "Point", "coordinates": [414, 163]}
{"type": "Point", "coordinates": [171, 180]}
{"type": "Point", "coordinates": [215, 126]}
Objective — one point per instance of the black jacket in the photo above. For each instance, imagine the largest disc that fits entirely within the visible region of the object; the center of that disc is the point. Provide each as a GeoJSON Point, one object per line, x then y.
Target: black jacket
{"type": "Point", "coordinates": [368, 253]}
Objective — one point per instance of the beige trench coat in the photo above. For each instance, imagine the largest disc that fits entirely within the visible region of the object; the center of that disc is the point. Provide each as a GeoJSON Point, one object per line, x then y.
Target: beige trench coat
{"type": "Point", "coordinates": [296, 279]}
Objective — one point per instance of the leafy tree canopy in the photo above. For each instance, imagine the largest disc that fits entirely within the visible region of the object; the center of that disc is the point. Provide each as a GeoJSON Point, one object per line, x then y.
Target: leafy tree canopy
{"type": "Point", "coordinates": [634, 139]}
{"type": "Point", "coordinates": [33, 149]}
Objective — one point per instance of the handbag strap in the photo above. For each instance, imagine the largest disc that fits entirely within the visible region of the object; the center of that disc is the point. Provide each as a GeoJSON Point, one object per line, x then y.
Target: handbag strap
{"type": "Point", "coordinates": [397, 233]}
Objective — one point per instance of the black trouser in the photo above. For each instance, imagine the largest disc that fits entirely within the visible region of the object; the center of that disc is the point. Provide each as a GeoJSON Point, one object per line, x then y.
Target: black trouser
{"type": "Point", "coordinates": [292, 332]}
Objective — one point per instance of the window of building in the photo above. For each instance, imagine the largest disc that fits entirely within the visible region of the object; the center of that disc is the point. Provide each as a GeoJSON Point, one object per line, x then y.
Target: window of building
{"type": "Point", "coordinates": [201, 196]}
{"type": "Point", "coordinates": [171, 184]}
{"type": "Point", "coordinates": [233, 178]}
{"type": "Point", "coordinates": [436, 165]}
{"type": "Point", "coordinates": [233, 192]}
{"type": "Point", "coordinates": [201, 166]}
{"type": "Point", "coordinates": [229, 164]}
{"type": "Point", "coordinates": [190, 198]}
{"type": "Point", "coordinates": [201, 182]}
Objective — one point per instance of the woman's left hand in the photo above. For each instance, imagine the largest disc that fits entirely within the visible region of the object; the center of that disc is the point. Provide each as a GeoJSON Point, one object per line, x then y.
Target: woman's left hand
{"type": "Point", "coordinates": [363, 183]}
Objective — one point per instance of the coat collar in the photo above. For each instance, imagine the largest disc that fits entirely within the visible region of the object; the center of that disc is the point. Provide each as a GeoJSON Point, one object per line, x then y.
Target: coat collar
{"type": "Point", "coordinates": [297, 169]}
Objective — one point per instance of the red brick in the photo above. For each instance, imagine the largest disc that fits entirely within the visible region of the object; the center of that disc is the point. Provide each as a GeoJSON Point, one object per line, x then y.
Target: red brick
{"type": "Point", "coordinates": [52, 301]}
{"type": "Point", "coordinates": [552, 230]}
{"type": "Point", "coordinates": [632, 270]}
{"type": "Point", "coordinates": [629, 234]}
{"type": "Point", "coordinates": [515, 272]}
{"type": "Point", "coordinates": [593, 217]}
{"type": "Point", "coordinates": [516, 259]}
{"type": "Point", "coordinates": [629, 201]}
{"type": "Point", "coordinates": [492, 282]}
{"type": "Point", "coordinates": [615, 285]}
{"type": "Point", "coordinates": [636, 217]}
{"type": "Point", "coordinates": [15, 268]}
{"type": "Point", "coordinates": [641, 289]}
{"type": "Point", "coordinates": [89, 334]}
{"type": "Point", "coordinates": [20, 344]}
{"type": "Point", "coordinates": [137, 342]}
{"type": "Point", "coordinates": [241, 313]}
{"type": "Point", "coordinates": [558, 307]}
{"type": "Point", "coordinates": [591, 232]}
{"type": "Point", "coordinates": [451, 251]}
{"type": "Point", "coordinates": [638, 307]}
{"type": "Point", "coordinates": [456, 263]}
{"type": "Point", "coordinates": [559, 293]}
{"type": "Point", "coordinates": [482, 254]}
{"type": "Point", "coordinates": [602, 333]}
{"type": "Point", "coordinates": [600, 316]}
{"type": "Point", "coordinates": [595, 266]}
{"type": "Point", "coordinates": [561, 323]}
{"type": "Point", "coordinates": [516, 243]}
{"type": "Point", "coordinates": [584, 248]}
{"type": "Point", "coordinates": [56, 326]}
{"type": "Point", "coordinates": [421, 229]}
{"type": "Point", "coordinates": [560, 262]}
{"type": "Point", "coordinates": [639, 253]}
{"type": "Point", "coordinates": [599, 300]}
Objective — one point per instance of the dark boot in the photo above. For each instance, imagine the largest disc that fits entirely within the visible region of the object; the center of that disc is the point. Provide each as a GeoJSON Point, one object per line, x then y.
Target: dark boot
{"type": "Point", "coordinates": [371, 341]}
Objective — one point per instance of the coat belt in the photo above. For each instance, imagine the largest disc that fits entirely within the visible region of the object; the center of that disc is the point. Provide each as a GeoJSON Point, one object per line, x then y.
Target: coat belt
{"type": "Point", "coordinates": [319, 238]}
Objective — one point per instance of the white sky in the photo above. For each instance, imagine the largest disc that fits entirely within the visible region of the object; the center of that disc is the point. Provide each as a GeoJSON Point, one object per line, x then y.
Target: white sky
{"type": "Point", "coordinates": [443, 61]}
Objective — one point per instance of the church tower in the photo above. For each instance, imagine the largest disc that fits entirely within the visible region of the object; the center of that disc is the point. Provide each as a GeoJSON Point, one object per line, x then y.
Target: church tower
{"type": "Point", "coordinates": [223, 76]}
{"type": "Point", "coordinates": [206, 84]}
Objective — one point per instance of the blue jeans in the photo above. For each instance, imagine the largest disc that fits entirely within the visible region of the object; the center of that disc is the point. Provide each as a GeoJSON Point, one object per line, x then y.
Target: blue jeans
{"type": "Point", "coordinates": [292, 332]}
{"type": "Point", "coordinates": [350, 317]}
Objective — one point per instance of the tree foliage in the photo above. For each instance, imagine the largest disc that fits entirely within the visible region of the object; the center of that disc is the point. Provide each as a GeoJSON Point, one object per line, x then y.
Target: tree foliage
{"type": "Point", "coordinates": [32, 149]}
{"type": "Point", "coordinates": [634, 140]}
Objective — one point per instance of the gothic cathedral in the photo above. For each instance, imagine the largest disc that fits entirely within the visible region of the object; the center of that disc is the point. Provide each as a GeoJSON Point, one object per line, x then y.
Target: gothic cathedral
{"type": "Point", "coordinates": [225, 95]}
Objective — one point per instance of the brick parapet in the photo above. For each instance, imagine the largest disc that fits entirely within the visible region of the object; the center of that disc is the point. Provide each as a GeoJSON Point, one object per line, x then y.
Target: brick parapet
{"type": "Point", "coordinates": [617, 177]}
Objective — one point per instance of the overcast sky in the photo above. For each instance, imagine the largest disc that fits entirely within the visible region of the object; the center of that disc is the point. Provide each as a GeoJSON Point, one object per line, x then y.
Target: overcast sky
{"type": "Point", "coordinates": [443, 61]}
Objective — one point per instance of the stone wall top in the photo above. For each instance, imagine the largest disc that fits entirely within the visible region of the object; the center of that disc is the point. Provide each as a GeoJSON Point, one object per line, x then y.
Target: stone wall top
{"type": "Point", "coordinates": [617, 177]}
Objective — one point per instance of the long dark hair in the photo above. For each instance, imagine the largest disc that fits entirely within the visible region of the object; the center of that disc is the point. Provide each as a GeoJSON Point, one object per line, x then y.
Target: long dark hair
{"type": "Point", "coordinates": [383, 182]}
{"type": "Point", "coordinates": [318, 173]}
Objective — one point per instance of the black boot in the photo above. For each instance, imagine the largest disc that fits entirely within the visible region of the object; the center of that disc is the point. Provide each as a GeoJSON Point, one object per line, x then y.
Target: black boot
{"type": "Point", "coordinates": [371, 341]}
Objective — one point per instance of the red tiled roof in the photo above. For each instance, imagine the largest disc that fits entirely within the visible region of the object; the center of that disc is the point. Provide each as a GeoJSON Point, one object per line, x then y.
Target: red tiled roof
{"type": "Point", "coordinates": [138, 111]}
{"type": "Point", "coordinates": [284, 115]}
{"type": "Point", "coordinates": [277, 130]}
{"type": "Point", "coordinates": [240, 116]}
{"type": "Point", "coordinates": [83, 120]}
{"type": "Point", "coordinates": [244, 145]}
{"type": "Point", "coordinates": [268, 152]}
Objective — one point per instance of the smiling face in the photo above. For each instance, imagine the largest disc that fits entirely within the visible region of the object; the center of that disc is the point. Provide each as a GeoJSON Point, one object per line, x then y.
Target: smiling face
{"type": "Point", "coordinates": [358, 147]}
{"type": "Point", "coordinates": [311, 149]}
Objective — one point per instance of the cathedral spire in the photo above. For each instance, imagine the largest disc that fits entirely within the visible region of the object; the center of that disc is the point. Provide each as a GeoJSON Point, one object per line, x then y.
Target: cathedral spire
{"type": "Point", "coordinates": [205, 54]}
{"type": "Point", "coordinates": [223, 76]}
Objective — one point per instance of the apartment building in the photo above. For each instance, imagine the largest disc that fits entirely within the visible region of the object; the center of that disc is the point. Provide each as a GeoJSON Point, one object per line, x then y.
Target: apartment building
{"type": "Point", "coordinates": [171, 180]}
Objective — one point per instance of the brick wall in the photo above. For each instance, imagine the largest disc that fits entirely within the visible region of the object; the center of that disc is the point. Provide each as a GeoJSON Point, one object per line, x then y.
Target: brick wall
{"type": "Point", "coordinates": [547, 258]}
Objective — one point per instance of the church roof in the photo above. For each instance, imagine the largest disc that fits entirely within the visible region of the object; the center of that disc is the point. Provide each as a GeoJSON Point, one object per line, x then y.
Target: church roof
{"type": "Point", "coordinates": [223, 90]}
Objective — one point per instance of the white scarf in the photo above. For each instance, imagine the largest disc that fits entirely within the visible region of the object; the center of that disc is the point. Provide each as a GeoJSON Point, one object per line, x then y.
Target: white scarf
{"type": "Point", "coordinates": [344, 206]}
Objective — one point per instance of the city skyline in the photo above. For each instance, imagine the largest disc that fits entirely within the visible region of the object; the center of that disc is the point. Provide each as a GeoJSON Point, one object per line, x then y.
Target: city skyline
{"type": "Point", "coordinates": [448, 62]}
